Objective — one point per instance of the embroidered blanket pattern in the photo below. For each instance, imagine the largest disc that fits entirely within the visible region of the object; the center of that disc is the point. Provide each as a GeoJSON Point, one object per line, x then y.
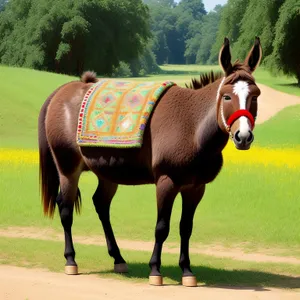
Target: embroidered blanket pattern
{"type": "Point", "coordinates": [114, 113]}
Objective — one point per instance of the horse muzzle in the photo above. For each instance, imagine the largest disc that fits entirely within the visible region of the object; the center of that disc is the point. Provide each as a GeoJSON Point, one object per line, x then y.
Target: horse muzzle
{"type": "Point", "coordinates": [243, 139]}
{"type": "Point", "coordinates": [243, 136]}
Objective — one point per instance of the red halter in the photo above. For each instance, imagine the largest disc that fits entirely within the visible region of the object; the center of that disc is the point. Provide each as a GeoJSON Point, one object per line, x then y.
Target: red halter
{"type": "Point", "coordinates": [238, 114]}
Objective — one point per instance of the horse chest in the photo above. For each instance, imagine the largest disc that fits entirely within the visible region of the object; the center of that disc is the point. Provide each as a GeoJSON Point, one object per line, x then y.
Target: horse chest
{"type": "Point", "coordinates": [208, 167]}
{"type": "Point", "coordinates": [201, 170]}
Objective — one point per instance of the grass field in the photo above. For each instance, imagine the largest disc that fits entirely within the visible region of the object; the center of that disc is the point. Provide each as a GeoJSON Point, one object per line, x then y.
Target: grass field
{"type": "Point", "coordinates": [254, 204]}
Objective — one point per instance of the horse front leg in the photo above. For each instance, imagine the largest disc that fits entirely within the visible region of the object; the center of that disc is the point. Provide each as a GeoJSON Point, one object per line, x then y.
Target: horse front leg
{"type": "Point", "coordinates": [166, 192]}
{"type": "Point", "coordinates": [190, 200]}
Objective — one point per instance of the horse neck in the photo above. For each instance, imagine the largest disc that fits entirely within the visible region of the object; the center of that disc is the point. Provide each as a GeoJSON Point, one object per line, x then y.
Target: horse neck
{"type": "Point", "coordinates": [209, 137]}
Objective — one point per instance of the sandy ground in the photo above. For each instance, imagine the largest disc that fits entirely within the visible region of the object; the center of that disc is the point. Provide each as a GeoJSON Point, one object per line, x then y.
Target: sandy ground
{"type": "Point", "coordinates": [270, 102]}
{"type": "Point", "coordinates": [34, 284]}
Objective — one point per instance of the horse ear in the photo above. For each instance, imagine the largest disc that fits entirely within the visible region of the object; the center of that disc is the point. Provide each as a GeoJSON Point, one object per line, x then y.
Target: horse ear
{"type": "Point", "coordinates": [225, 57]}
{"type": "Point", "coordinates": [254, 57]}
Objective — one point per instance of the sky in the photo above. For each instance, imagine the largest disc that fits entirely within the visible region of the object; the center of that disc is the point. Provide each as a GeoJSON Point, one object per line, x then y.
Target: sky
{"type": "Point", "coordinates": [210, 4]}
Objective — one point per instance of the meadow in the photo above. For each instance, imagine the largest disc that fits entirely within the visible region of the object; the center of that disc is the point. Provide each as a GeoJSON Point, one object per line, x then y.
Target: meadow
{"type": "Point", "coordinates": [253, 205]}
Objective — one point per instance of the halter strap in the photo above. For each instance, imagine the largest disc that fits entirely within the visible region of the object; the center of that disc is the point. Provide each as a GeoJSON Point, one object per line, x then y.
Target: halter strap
{"type": "Point", "coordinates": [241, 113]}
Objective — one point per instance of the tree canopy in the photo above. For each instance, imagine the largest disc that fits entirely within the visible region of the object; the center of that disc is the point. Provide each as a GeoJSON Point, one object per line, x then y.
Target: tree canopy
{"type": "Point", "coordinates": [286, 45]}
{"type": "Point", "coordinates": [129, 37]}
{"type": "Point", "coordinates": [70, 36]}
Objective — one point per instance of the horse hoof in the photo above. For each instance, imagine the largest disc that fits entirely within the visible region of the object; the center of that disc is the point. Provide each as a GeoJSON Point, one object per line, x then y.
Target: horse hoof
{"type": "Point", "coordinates": [71, 270]}
{"type": "Point", "coordinates": [155, 280]}
{"type": "Point", "coordinates": [189, 281]}
{"type": "Point", "coordinates": [121, 268]}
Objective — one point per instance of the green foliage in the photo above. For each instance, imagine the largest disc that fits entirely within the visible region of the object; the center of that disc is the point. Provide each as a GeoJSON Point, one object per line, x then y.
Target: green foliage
{"type": "Point", "coordinates": [71, 36]}
{"type": "Point", "coordinates": [145, 64]}
{"type": "Point", "coordinates": [259, 20]}
{"type": "Point", "coordinates": [163, 19]}
{"type": "Point", "coordinates": [230, 23]}
{"type": "Point", "coordinates": [123, 70]}
{"type": "Point", "coordinates": [286, 45]}
{"type": "Point", "coordinates": [172, 26]}
{"type": "Point", "coordinates": [198, 47]}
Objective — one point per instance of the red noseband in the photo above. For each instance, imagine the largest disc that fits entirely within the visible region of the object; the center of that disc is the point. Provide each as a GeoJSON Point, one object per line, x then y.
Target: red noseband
{"type": "Point", "coordinates": [241, 113]}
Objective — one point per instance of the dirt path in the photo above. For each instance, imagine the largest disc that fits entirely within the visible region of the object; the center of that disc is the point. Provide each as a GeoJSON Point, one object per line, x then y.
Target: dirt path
{"type": "Point", "coordinates": [236, 253]}
{"type": "Point", "coordinates": [271, 102]}
{"type": "Point", "coordinates": [33, 284]}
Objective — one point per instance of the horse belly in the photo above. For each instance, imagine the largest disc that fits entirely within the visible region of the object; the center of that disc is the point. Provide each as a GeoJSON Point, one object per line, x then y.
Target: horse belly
{"type": "Point", "coordinates": [122, 166]}
{"type": "Point", "coordinates": [126, 175]}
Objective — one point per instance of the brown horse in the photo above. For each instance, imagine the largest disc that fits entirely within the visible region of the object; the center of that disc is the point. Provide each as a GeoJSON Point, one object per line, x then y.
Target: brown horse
{"type": "Point", "coordinates": [181, 153]}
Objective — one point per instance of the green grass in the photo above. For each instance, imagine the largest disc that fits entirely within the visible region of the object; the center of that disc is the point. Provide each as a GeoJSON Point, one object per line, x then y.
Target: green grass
{"type": "Point", "coordinates": [282, 130]}
{"type": "Point", "coordinates": [95, 260]}
{"type": "Point", "coordinates": [277, 81]}
{"type": "Point", "coordinates": [256, 206]}
{"type": "Point", "coordinates": [23, 92]}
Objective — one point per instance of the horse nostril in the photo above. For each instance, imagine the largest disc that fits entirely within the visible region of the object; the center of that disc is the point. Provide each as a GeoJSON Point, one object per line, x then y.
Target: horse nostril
{"type": "Point", "coordinates": [236, 136]}
{"type": "Point", "coordinates": [250, 138]}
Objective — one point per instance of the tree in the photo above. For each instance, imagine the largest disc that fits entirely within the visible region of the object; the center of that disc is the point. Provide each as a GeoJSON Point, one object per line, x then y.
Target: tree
{"type": "Point", "coordinates": [163, 19]}
{"type": "Point", "coordinates": [259, 20]}
{"type": "Point", "coordinates": [198, 47]}
{"type": "Point", "coordinates": [172, 25]}
{"type": "Point", "coordinates": [70, 36]}
{"type": "Point", "coordinates": [230, 23]}
{"type": "Point", "coordinates": [286, 45]}
{"type": "Point", "coordinates": [189, 22]}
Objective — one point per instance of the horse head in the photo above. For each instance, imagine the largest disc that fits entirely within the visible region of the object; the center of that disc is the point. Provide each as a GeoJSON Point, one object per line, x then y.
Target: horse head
{"type": "Point", "coordinates": [237, 95]}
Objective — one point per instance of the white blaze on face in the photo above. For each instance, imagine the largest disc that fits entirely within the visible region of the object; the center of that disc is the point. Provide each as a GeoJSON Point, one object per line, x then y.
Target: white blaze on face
{"type": "Point", "coordinates": [241, 89]}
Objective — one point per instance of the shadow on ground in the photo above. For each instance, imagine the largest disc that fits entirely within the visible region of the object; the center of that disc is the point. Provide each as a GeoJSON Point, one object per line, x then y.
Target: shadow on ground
{"type": "Point", "coordinates": [207, 276]}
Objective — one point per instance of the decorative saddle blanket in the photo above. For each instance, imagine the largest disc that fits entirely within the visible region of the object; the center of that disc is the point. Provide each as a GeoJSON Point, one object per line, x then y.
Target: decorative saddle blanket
{"type": "Point", "coordinates": [114, 113]}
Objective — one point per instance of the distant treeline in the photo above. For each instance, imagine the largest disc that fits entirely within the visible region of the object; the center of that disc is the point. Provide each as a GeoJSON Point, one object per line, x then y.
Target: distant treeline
{"type": "Point", "coordinates": [130, 37]}
{"type": "Point", "coordinates": [185, 33]}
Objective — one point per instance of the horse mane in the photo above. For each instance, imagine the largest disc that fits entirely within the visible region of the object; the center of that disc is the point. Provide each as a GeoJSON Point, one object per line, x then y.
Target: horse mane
{"type": "Point", "coordinates": [238, 71]}
{"type": "Point", "coordinates": [205, 79]}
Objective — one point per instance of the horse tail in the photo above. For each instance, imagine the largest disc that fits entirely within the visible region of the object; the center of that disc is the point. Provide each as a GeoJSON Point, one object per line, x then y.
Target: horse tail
{"type": "Point", "coordinates": [89, 77]}
{"type": "Point", "coordinates": [48, 175]}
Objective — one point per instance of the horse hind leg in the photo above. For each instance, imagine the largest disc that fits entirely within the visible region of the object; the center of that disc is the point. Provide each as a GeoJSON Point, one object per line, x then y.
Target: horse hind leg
{"type": "Point", "coordinates": [102, 200]}
{"type": "Point", "coordinates": [68, 196]}
{"type": "Point", "coordinates": [69, 166]}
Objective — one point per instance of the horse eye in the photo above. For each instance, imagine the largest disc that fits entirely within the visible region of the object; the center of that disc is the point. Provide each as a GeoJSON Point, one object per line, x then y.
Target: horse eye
{"type": "Point", "coordinates": [254, 98]}
{"type": "Point", "coordinates": [226, 97]}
